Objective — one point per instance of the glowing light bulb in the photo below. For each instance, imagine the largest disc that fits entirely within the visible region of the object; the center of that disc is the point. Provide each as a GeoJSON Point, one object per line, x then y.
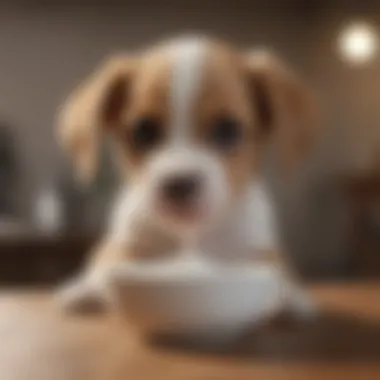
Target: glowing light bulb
{"type": "Point", "coordinates": [358, 43]}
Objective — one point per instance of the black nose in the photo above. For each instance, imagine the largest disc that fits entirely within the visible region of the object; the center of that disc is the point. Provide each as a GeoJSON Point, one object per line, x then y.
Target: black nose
{"type": "Point", "coordinates": [182, 188]}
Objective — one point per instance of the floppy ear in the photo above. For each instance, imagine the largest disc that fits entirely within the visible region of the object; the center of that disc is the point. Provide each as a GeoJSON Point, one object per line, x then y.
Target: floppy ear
{"type": "Point", "coordinates": [92, 108]}
{"type": "Point", "coordinates": [286, 111]}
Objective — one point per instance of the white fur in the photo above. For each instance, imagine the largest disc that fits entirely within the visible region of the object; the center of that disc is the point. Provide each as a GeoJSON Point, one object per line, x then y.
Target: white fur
{"type": "Point", "coordinates": [259, 220]}
{"type": "Point", "coordinates": [247, 230]}
{"type": "Point", "coordinates": [137, 204]}
{"type": "Point", "coordinates": [250, 228]}
{"type": "Point", "coordinates": [188, 60]}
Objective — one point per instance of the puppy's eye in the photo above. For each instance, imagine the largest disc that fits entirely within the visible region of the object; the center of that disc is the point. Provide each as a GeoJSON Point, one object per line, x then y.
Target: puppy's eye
{"type": "Point", "coordinates": [146, 133]}
{"type": "Point", "coordinates": [226, 133]}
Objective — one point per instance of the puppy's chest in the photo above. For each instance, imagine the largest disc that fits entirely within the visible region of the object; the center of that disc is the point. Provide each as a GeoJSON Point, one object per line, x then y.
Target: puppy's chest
{"type": "Point", "coordinates": [247, 231]}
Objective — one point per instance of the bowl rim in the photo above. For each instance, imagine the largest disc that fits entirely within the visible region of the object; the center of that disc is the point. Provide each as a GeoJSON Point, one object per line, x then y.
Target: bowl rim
{"type": "Point", "coordinates": [123, 275]}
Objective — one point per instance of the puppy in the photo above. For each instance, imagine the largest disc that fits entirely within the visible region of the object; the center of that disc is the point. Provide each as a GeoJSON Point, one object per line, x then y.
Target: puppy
{"type": "Point", "coordinates": [189, 121]}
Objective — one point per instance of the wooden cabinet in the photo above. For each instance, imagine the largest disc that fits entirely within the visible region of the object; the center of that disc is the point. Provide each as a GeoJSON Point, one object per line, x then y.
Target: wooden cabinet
{"type": "Point", "coordinates": [41, 260]}
{"type": "Point", "coordinates": [364, 200]}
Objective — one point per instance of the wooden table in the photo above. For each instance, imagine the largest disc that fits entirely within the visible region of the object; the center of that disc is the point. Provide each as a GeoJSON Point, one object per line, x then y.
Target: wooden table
{"type": "Point", "coordinates": [39, 343]}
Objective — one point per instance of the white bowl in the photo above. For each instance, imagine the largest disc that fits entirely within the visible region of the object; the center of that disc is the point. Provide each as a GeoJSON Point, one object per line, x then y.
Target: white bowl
{"type": "Point", "coordinates": [192, 298]}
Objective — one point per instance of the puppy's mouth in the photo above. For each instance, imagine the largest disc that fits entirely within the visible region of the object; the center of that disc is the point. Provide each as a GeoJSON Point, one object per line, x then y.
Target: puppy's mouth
{"type": "Point", "coordinates": [190, 214]}
{"type": "Point", "coordinates": [187, 213]}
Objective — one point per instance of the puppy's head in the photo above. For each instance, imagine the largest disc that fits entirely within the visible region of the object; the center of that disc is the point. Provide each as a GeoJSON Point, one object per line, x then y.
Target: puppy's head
{"type": "Point", "coordinates": [189, 119]}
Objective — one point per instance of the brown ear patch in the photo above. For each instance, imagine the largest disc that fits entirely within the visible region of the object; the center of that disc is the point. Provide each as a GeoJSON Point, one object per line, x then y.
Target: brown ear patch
{"type": "Point", "coordinates": [116, 99]}
{"type": "Point", "coordinates": [91, 109]}
{"type": "Point", "coordinates": [263, 105]}
{"type": "Point", "coordinates": [286, 109]}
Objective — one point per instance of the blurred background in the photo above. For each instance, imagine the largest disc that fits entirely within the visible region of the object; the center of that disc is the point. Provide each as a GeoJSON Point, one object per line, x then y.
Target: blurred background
{"type": "Point", "coordinates": [329, 212]}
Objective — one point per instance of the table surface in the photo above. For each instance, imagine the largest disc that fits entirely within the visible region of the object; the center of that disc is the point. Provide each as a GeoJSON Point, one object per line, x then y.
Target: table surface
{"type": "Point", "coordinates": [37, 342]}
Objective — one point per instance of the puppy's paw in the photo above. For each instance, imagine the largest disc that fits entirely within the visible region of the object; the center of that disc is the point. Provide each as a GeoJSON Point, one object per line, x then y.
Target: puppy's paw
{"type": "Point", "coordinates": [81, 298]}
{"type": "Point", "coordinates": [302, 306]}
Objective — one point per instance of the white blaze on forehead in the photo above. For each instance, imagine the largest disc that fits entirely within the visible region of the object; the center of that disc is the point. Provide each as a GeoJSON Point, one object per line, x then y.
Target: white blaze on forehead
{"type": "Point", "coordinates": [188, 61]}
